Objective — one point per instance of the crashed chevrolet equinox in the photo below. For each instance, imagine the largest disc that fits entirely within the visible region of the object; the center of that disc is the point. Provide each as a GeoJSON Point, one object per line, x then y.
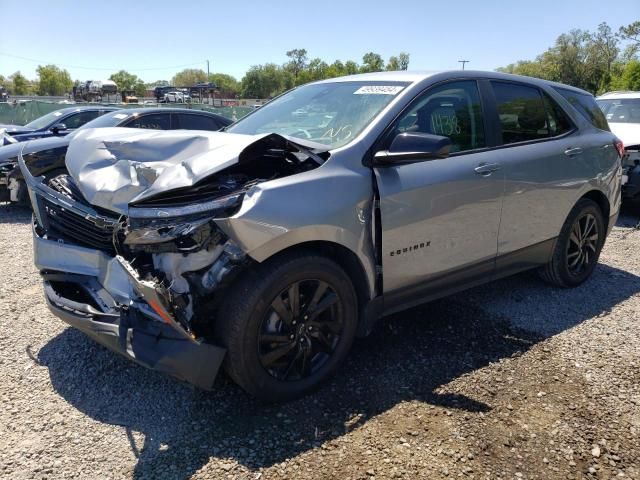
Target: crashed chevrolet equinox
{"type": "Point", "coordinates": [267, 248]}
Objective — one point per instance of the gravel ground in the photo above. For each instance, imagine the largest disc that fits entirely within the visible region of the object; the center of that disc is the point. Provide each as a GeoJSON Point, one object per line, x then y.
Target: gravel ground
{"type": "Point", "coordinates": [514, 379]}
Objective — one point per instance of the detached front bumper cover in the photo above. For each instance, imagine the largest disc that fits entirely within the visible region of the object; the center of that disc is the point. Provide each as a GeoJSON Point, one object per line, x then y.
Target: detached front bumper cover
{"type": "Point", "coordinates": [131, 333]}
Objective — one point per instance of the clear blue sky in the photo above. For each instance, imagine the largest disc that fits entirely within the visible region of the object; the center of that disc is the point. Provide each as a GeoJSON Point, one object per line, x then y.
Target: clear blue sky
{"type": "Point", "coordinates": [154, 39]}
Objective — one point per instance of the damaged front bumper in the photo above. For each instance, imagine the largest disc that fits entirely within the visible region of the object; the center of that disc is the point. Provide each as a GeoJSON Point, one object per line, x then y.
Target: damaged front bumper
{"type": "Point", "coordinates": [102, 295]}
{"type": "Point", "coordinates": [130, 332]}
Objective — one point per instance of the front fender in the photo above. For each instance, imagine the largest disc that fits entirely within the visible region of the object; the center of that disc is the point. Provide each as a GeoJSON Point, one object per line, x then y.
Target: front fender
{"type": "Point", "coordinates": [326, 205]}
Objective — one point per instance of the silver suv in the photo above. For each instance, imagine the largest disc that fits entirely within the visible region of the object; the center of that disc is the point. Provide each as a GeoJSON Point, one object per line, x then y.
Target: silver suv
{"type": "Point", "coordinates": [267, 248]}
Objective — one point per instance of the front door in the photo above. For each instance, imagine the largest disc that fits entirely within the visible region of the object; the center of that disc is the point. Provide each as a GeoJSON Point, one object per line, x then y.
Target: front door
{"type": "Point", "coordinates": [440, 218]}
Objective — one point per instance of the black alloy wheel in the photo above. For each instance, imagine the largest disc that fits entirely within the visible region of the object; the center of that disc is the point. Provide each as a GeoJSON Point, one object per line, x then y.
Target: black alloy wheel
{"type": "Point", "coordinates": [577, 247]}
{"type": "Point", "coordinates": [287, 325]}
{"type": "Point", "coordinates": [582, 247]}
{"type": "Point", "coordinates": [300, 330]}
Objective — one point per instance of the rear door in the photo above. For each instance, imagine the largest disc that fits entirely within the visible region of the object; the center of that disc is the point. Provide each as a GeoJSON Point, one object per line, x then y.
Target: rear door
{"type": "Point", "coordinates": [542, 155]}
{"type": "Point", "coordinates": [440, 218]}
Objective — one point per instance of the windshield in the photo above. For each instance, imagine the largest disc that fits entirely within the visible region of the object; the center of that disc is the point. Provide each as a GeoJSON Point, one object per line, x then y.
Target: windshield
{"type": "Point", "coordinates": [112, 119]}
{"type": "Point", "coordinates": [329, 113]}
{"type": "Point", "coordinates": [44, 121]}
{"type": "Point", "coordinates": [621, 110]}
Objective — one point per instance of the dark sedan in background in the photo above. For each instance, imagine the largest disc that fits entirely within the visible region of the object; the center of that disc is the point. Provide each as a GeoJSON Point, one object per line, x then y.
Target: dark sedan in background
{"type": "Point", "coordinates": [11, 184]}
{"type": "Point", "coordinates": [58, 123]}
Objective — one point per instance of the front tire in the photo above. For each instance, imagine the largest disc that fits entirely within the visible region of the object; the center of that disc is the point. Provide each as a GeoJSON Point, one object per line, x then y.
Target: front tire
{"type": "Point", "coordinates": [578, 246]}
{"type": "Point", "coordinates": [287, 326]}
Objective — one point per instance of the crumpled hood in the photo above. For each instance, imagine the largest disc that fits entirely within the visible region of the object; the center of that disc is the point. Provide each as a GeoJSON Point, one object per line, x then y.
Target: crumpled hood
{"type": "Point", "coordinates": [114, 167]}
{"type": "Point", "coordinates": [629, 133]}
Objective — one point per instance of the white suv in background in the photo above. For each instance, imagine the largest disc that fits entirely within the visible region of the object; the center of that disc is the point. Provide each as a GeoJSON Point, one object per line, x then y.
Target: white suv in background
{"type": "Point", "coordinates": [176, 97]}
{"type": "Point", "coordinates": [622, 111]}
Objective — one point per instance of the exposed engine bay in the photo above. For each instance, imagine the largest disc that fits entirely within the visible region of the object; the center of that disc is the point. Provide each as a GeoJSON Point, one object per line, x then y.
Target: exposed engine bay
{"type": "Point", "coordinates": [165, 237]}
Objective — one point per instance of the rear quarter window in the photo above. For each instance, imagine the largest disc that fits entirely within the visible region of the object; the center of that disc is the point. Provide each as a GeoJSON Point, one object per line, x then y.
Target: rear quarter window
{"type": "Point", "coordinates": [586, 105]}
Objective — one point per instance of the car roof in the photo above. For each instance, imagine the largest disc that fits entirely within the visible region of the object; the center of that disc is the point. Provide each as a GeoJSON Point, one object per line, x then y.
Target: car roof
{"type": "Point", "coordinates": [85, 108]}
{"type": "Point", "coordinates": [418, 76]}
{"type": "Point", "coordinates": [619, 94]}
{"type": "Point", "coordinates": [168, 110]}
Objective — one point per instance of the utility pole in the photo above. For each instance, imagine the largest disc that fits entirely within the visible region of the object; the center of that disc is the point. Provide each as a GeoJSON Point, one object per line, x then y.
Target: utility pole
{"type": "Point", "coordinates": [207, 82]}
{"type": "Point", "coordinates": [463, 62]}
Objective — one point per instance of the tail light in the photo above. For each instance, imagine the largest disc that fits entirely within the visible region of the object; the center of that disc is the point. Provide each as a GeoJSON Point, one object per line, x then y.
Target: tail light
{"type": "Point", "coordinates": [619, 146]}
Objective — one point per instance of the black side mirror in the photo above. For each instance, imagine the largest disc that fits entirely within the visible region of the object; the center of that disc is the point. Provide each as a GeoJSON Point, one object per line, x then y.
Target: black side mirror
{"type": "Point", "coordinates": [57, 128]}
{"type": "Point", "coordinates": [410, 147]}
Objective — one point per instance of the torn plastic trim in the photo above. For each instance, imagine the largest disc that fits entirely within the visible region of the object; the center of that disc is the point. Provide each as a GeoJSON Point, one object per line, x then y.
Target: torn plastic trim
{"type": "Point", "coordinates": [149, 292]}
{"type": "Point", "coordinates": [153, 345]}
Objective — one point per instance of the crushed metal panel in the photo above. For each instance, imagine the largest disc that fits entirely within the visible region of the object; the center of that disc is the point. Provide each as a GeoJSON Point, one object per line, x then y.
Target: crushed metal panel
{"type": "Point", "coordinates": [114, 167]}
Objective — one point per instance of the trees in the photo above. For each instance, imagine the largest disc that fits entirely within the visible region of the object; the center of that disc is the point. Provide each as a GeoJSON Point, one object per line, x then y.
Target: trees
{"type": "Point", "coordinates": [588, 60]}
{"type": "Point", "coordinates": [126, 81]}
{"type": "Point", "coordinates": [297, 63]}
{"type": "Point", "coordinates": [265, 81]}
{"type": "Point", "coordinates": [262, 81]}
{"type": "Point", "coordinates": [372, 62]}
{"type": "Point", "coordinates": [401, 62]}
{"type": "Point", "coordinates": [393, 64]}
{"type": "Point", "coordinates": [53, 80]}
{"type": "Point", "coordinates": [139, 88]}
{"type": "Point", "coordinates": [19, 84]}
{"type": "Point", "coordinates": [228, 86]}
{"type": "Point", "coordinates": [270, 79]}
{"type": "Point", "coordinates": [629, 78]}
{"type": "Point", "coordinates": [189, 77]}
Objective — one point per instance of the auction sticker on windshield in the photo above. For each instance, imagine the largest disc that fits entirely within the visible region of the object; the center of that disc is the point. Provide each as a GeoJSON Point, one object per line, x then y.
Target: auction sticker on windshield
{"type": "Point", "coordinates": [378, 90]}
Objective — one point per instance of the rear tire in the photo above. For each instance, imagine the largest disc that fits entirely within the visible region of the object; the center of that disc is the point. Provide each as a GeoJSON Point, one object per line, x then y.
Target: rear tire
{"type": "Point", "coordinates": [287, 325]}
{"type": "Point", "coordinates": [578, 246]}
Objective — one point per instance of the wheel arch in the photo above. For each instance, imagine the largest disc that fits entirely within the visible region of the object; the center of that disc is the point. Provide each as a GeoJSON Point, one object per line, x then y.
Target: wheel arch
{"type": "Point", "coordinates": [348, 260]}
{"type": "Point", "coordinates": [602, 201]}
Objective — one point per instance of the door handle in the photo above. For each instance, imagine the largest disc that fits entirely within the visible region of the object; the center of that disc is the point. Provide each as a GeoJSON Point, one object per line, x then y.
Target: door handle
{"type": "Point", "coordinates": [570, 152]}
{"type": "Point", "coordinates": [486, 169]}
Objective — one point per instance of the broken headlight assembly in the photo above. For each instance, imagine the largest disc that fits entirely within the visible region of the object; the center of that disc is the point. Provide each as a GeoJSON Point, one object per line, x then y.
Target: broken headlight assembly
{"type": "Point", "coordinates": [184, 228]}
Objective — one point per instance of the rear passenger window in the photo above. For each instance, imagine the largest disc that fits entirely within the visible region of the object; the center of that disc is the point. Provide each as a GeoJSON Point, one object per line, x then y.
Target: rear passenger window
{"type": "Point", "coordinates": [587, 106]}
{"type": "Point", "coordinates": [522, 112]}
{"type": "Point", "coordinates": [559, 122]}
{"type": "Point", "coordinates": [452, 110]}
{"type": "Point", "coordinates": [196, 122]}
{"type": "Point", "coordinates": [156, 121]}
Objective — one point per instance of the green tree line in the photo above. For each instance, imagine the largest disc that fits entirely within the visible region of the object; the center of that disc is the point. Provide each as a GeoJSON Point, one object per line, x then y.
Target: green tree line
{"type": "Point", "coordinates": [598, 61]}
{"type": "Point", "coordinates": [260, 81]}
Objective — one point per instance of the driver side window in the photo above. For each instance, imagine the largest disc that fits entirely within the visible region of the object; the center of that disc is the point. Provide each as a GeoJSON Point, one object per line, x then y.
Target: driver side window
{"type": "Point", "coordinates": [452, 110]}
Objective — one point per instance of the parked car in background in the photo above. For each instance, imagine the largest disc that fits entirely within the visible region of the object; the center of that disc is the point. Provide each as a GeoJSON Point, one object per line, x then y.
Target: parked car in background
{"type": "Point", "coordinates": [176, 97]}
{"type": "Point", "coordinates": [57, 123]}
{"type": "Point", "coordinates": [159, 92]}
{"type": "Point", "coordinates": [268, 247]}
{"type": "Point", "coordinates": [622, 111]}
{"type": "Point", "coordinates": [12, 184]}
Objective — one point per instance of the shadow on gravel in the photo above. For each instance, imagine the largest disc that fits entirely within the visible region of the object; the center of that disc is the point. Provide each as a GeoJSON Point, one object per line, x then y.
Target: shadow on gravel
{"type": "Point", "coordinates": [407, 359]}
{"type": "Point", "coordinates": [629, 215]}
{"type": "Point", "coordinates": [10, 213]}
